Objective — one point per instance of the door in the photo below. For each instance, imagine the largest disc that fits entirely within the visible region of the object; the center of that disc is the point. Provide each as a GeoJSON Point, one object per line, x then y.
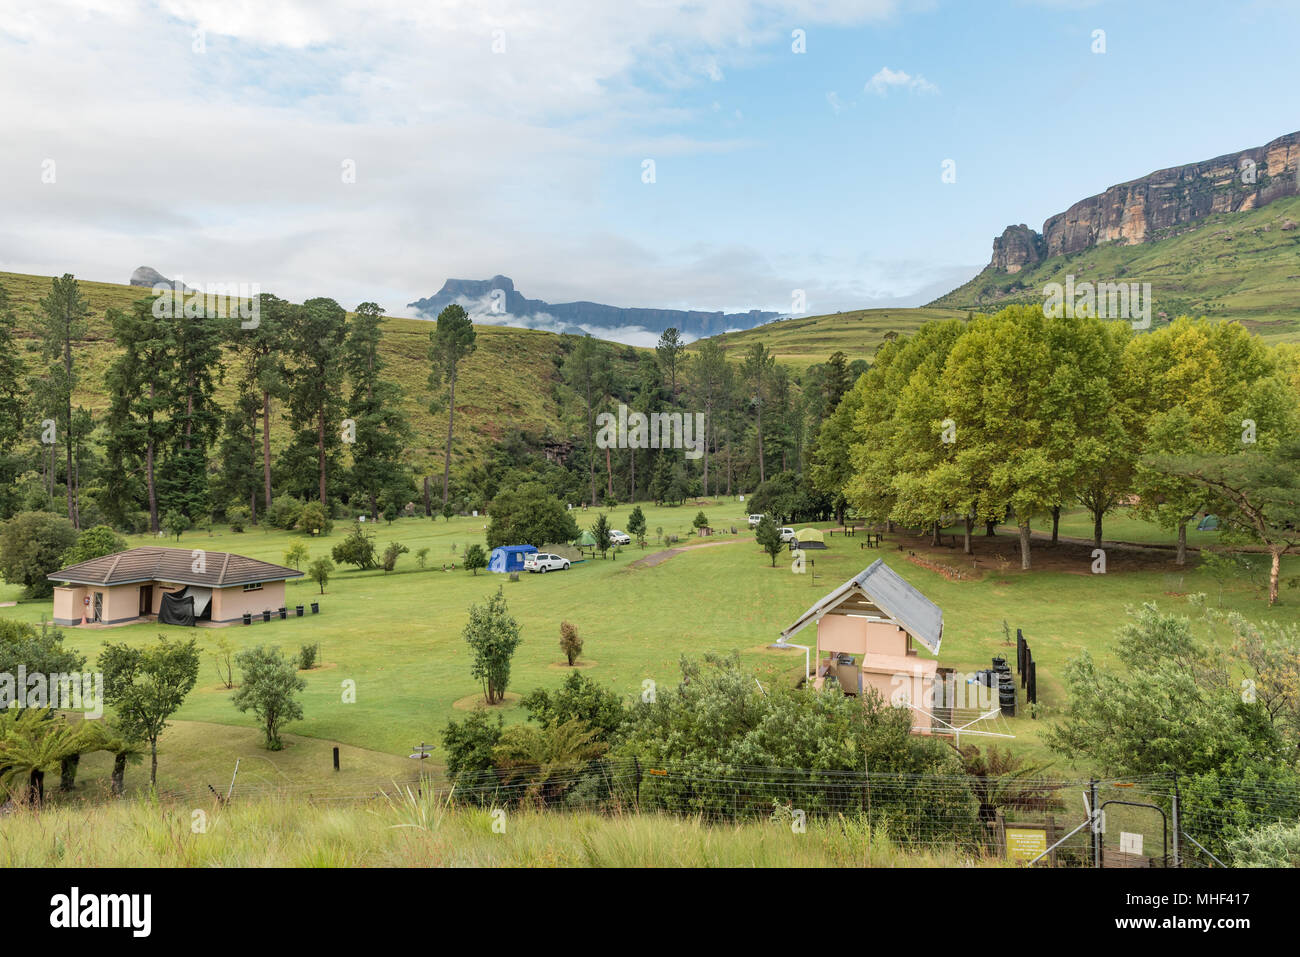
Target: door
{"type": "Point", "coordinates": [146, 600]}
{"type": "Point", "coordinates": [98, 607]}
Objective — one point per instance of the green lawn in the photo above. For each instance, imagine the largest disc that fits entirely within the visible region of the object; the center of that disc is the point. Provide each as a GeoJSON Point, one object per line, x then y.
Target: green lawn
{"type": "Point", "coordinates": [398, 635]}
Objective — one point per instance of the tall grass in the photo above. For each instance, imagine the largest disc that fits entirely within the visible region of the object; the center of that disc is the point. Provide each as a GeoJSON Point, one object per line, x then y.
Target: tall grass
{"type": "Point", "coordinates": [409, 829]}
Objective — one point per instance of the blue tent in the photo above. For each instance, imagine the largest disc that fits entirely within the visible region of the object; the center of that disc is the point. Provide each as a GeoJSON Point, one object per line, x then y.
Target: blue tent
{"type": "Point", "coordinates": [1208, 524]}
{"type": "Point", "coordinates": [509, 558]}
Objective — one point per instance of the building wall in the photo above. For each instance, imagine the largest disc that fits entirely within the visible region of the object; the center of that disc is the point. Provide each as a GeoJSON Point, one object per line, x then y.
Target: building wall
{"type": "Point", "coordinates": [858, 636]}
{"type": "Point", "coordinates": [68, 604]}
{"type": "Point", "coordinates": [229, 604]}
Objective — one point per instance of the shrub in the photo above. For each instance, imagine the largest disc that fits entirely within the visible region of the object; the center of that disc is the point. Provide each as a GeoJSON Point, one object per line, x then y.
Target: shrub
{"type": "Point", "coordinates": [295, 554]}
{"type": "Point", "coordinates": [1274, 845]}
{"type": "Point", "coordinates": [570, 642]}
{"type": "Point", "coordinates": [269, 687]}
{"type": "Point", "coordinates": [238, 517]}
{"type": "Point", "coordinates": [475, 558]}
{"type": "Point", "coordinates": [284, 512]}
{"type": "Point", "coordinates": [32, 545]}
{"type": "Point", "coordinates": [177, 523]}
{"type": "Point", "coordinates": [701, 520]}
{"type": "Point", "coordinates": [312, 518]}
{"type": "Point", "coordinates": [357, 549]}
{"type": "Point", "coordinates": [307, 656]}
{"type": "Point", "coordinates": [94, 543]}
{"type": "Point", "coordinates": [422, 556]}
{"type": "Point", "coordinates": [390, 555]}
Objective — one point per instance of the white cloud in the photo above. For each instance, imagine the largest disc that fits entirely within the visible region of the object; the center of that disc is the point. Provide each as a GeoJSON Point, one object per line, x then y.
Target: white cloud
{"type": "Point", "coordinates": [887, 79]}
{"type": "Point", "coordinates": [225, 165]}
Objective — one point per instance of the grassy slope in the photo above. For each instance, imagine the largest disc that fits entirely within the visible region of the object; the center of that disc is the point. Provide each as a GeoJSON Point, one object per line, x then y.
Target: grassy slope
{"type": "Point", "coordinates": [398, 636]}
{"type": "Point", "coordinates": [807, 340]}
{"type": "Point", "coordinates": [508, 381]}
{"type": "Point", "coordinates": [1241, 266]}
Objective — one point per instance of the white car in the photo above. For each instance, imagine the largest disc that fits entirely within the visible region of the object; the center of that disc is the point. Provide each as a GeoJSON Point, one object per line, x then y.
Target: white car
{"type": "Point", "coordinates": [754, 520]}
{"type": "Point", "coordinates": [542, 562]}
{"type": "Point", "coordinates": [619, 538]}
{"type": "Point", "coordinates": [787, 534]}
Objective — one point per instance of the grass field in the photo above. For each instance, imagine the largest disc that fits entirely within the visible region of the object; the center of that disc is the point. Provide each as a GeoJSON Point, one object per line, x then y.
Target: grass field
{"type": "Point", "coordinates": [398, 635]}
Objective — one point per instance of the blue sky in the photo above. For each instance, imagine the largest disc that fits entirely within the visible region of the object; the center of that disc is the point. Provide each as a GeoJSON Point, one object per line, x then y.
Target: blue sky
{"type": "Point", "coordinates": [206, 139]}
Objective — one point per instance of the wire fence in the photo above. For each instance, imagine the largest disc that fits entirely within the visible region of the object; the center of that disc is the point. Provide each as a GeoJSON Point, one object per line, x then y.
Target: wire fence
{"type": "Point", "coordinates": [1151, 821]}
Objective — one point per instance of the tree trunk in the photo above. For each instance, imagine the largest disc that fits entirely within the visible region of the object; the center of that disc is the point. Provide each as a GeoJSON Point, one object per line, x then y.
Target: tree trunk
{"type": "Point", "coordinates": [1181, 557]}
{"type": "Point", "coordinates": [1024, 545]}
{"type": "Point", "coordinates": [609, 474]}
{"type": "Point", "coordinates": [149, 454]}
{"type": "Point", "coordinates": [68, 772]}
{"type": "Point", "coordinates": [934, 535]}
{"type": "Point", "coordinates": [266, 447]}
{"type": "Point", "coordinates": [321, 454]}
{"type": "Point", "coordinates": [428, 501]}
{"type": "Point", "coordinates": [1096, 528]}
{"type": "Point", "coordinates": [761, 473]}
{"type": "Point", "coordinates": [252, 492]}
{"type": "Point", "coordinates": [1056, 524]}
{"type": "Point", "coordinates": [1272, 575]}
{"type": "Point", "coordinates": [69, 438]}
{"type": "Point", "coordinates": [119, 775]}
{"type": "Point", "coordinates": [451, 422]}
{"type": "Point", "coordinates": [970, 527]}
{"type": "Point", "coordinates": [990, 529]}
{"type": "Point", "coordinates": [153, 767]}
{"type": "Point", "coordinates": [36, 787]}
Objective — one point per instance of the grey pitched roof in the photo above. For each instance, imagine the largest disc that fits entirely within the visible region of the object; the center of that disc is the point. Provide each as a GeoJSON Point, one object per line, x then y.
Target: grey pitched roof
{"type": "Point", "coordinates": [156, 563]}
{"type": "Point", "coordinates": [879, 588]}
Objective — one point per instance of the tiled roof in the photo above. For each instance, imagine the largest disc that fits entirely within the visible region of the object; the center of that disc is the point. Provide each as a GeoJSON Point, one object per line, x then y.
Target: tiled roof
{"type": "Point", "coordinates": [880, 587]}
{"type": "Point", "coordinates": [155, 563]}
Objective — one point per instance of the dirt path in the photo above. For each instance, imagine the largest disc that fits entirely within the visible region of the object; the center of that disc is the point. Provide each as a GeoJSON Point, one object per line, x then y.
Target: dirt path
{"type": "Point", "coordinates": [658, 558]}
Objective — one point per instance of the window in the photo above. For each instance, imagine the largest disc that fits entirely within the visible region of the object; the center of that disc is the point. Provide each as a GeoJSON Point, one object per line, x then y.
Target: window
{"type": "Point", "coordinates": [253, 586]}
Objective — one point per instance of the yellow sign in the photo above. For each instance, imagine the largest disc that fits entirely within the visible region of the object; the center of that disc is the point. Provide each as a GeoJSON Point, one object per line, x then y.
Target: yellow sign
{"type": "Point", "coordinates": [1025, 843]}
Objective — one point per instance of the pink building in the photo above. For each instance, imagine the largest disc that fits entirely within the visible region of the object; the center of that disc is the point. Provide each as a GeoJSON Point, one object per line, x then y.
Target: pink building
{"type": "Point", "coordinates": [180, 585]}
{"type": "Point", "coordinates": [866, 631]}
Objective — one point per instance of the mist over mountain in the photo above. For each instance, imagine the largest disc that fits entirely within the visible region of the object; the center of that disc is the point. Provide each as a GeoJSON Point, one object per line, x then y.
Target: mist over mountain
{"type": "Point", "coordinates": [495, 301]}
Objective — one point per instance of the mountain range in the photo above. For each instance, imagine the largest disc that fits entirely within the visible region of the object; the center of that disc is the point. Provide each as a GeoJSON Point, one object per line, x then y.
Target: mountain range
{"type": "Point", "coordinates": [497, 301]}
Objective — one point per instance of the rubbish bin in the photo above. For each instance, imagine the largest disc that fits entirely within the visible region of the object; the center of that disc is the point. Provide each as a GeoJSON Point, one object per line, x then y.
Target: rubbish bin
{"type": "Point", "coordinates": [248, 618]}
{"type": "Point", "coordinates": [315, 607]}
{"type": "Point", "coordinates": [284, 613]}
{"type": "Point", "coordinates": [266, 615]}
{"type": "Point", "coordinates": [298, 611]}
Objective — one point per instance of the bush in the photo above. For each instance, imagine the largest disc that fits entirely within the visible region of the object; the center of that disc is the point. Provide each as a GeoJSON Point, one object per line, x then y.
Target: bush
{"type": "Point", "coordinates": [312, 518]}
{"type": "Point", "coordinates": [422, 556]}
{"type": "Point", "coordinates": [319, 572]}
{"type": "Point", "coordinates": [307, 656]}
{"type": "Point", "coordinates": [269, 688]}
{"type": "Point", "coordinates": [475, 558]}
{"type": "Point", "coordinates": [177, 523]}
{"type": "Point", "coordinates": [237, 517]}
{"type": "Point", "coordinates": [701, 520]}
{"type": "Point", "coordinates": [570, 642]}
{"type": "Point", "coordinates": [390, 555]}
{"type": "Point", "coordinates": [357, 549]}
{"type": "Point", "coordinates": [32, 545]}
{"type": "Point", "coordinates": [284, 512]}
{"type": "Point", "coordinates": [94, 543]}
{"type": "Point", "coordinates": [1274, 845]}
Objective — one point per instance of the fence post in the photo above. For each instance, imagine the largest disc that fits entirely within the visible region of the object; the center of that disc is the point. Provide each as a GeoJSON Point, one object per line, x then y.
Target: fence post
{"type": "Point", "coordinates": [1096, 822]}
{"type": "Point", "coordinates": [637, 765]}
{"type": "Point", "coordinates": [1032, 687]}
{"type": "Point", "coordinates": [336, 757]}
{"type": "Point", "coordinates": [1177, 823]}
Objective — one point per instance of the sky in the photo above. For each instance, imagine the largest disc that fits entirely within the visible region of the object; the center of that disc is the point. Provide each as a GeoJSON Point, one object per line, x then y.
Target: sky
{"type": "Point", "coordinates": [659, 153]}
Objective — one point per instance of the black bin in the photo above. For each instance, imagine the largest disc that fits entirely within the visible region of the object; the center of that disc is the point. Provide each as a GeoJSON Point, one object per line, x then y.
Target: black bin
{"type": "Point", "coordinates": [266, 615]}
{"type": "Point", "coordinates": [298, 611]}
{"type": "Point", "coordinates": [284, 613]}
{"type": "Point", "coordinates": [315, 608]}
{"type": "Point", "coordinates": [248, 618]}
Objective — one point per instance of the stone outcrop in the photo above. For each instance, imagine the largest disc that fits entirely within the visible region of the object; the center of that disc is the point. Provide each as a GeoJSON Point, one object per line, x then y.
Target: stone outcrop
{"type": "Point", "coordinates": [1159, 204]}
{"type": "Point", "coordinates": [149, 277]}
{"type": "Point", "coordinates": [1017, 247]}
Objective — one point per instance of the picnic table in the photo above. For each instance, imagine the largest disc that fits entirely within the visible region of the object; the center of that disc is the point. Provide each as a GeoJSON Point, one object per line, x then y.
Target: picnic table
{"type": "Point", "coordinates": [872, 540]}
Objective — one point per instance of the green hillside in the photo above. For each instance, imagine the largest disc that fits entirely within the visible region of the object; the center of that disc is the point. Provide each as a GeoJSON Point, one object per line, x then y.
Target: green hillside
{"type": "Point", "coordinates": [1242, 266]}
{"type": "Point", "coordinates": [508, 384]}
{"type": "Point", "coordinates": [807, 340]}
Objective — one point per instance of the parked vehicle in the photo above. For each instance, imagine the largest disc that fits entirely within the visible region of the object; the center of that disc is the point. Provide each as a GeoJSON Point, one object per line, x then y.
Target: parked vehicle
{"type": "Point", "coordinates": [787, 534]}
{"type": "Point", "coordinates": [543, 562]}
{"type": "Point", "coordinates": [619, 538]}
{"type": "Point", "coordinates": [754, 520]}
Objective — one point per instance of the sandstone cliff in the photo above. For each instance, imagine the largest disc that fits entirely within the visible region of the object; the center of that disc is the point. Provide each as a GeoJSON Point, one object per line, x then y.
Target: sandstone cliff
{"type": "Point", "coordinates": [1159, 204]}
